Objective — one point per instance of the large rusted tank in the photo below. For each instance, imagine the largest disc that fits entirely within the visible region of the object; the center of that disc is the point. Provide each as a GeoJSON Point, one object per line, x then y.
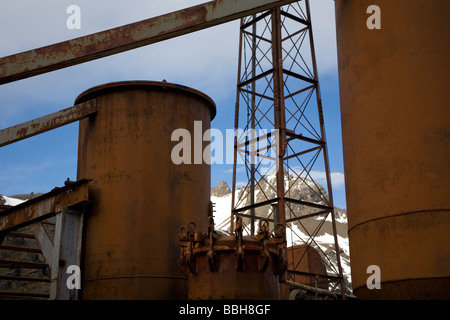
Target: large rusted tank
{"type": "Point", "coordinates": [396, 142]}
{"type": "Point", "coordinates": [139, 196]}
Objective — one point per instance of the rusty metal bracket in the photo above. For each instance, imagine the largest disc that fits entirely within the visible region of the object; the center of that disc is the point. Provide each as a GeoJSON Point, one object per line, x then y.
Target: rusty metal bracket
{"type": "Point", "coordinates": [239, 251]}
{"type": "Point", "coordinates": [264, 258]}
{"type": "Point", "coordinates": [190, 259]}
{"type": "Point", "coordinates": [211, 254]}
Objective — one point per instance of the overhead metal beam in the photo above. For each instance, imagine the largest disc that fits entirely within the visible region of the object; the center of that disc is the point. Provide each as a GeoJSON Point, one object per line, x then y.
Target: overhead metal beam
{"type": "Point", "coordinates": [49, 122]}
{"type": "Point", "coordinates": [44, 207]}
{"type": "Point", "coordinates": [127, 37]}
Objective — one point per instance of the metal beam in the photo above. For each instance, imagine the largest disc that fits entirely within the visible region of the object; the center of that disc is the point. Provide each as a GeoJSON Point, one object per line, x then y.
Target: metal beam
{"type": "Point", "coordinates": [44, 207]}
{"type": "Point", "coordinates": [127, 37]}
{"type": "Point", "coordinates": [46, 123]}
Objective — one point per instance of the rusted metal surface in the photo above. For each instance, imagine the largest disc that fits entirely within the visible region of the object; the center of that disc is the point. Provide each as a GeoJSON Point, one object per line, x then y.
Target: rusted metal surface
{"type": "Point", "coordinates": [127, 37]}
{"type": "Point", "coordinates": [279, 112]}
{"type": "Point", "coordinates": [140, 197]}
{"type": "Point", "coordinates": [304, 258]}
{"type": "Point", "coordinates": [395, 127]}
{"type": "Point", "coordinates": [49, 122]}
{"type": "Point", "coordinates": [231, 266]}
{"type": "Point", "coordinates": [43, 207]}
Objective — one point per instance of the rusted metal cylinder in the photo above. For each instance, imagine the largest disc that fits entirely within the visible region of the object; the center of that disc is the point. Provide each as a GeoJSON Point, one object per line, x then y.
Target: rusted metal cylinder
{"type": "Point", "coordinates": [231, 266]}
{"type": "Point", "coordinates": [396, 143]}
{"type": "Point", "coordinates": [140, 198]}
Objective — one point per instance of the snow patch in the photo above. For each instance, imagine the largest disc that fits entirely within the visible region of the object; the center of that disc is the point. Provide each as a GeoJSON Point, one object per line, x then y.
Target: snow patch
{"type": "Point", "coordinates": [12, 201]}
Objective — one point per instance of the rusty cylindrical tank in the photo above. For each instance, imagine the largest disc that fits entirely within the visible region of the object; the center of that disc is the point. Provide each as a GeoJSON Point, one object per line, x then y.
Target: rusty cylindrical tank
{"type": "Point", "coordinates": [233, 266]}
{"type": "Point", "coordinates": [396, 142]}
{"type": "Point", "coordinates": [140, 197]}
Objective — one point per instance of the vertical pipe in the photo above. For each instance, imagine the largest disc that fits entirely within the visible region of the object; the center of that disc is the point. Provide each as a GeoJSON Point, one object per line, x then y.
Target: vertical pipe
{"type": "Point", "coordinates": [236, 126]}
{"type": "Point", "coordinates": [252, 124]}
{"type": "Point", "coordinates": [280, 121]}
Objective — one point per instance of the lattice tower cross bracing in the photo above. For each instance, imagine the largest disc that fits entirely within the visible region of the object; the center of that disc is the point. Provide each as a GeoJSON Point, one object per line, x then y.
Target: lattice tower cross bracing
{"type": "Point", "coordinates": [281, 144]}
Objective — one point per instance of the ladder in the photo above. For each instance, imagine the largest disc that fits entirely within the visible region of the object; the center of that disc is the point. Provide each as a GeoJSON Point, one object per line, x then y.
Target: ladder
{"type": "Point", "coordinates": [24, 271]}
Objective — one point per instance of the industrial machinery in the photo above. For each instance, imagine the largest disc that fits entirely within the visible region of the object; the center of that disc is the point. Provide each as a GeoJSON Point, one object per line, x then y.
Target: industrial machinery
{"type": "Point", "coordinates": [221, 266]}
{"type": "Point", "coordinates": [394, 100]}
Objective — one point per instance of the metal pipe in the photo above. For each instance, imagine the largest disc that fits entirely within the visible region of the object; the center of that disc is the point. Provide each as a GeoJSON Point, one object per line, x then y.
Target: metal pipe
{"type": "Point", "coordinates": [311, 289]}
{"type": "Point", "coordinates": [279, 110]}
{"type": "Point", "coordinates": [252, 114]}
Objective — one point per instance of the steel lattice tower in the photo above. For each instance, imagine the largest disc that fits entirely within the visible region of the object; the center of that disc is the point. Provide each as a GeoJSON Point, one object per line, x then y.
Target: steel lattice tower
{"type": "Point", "coordinates": [282, 143]}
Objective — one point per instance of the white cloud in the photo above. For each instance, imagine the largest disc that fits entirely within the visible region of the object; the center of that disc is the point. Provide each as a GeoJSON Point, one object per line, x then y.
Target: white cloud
{"type": "Point", "coordinates": [240, 184]}
{"type": "Point", "coordinates": [205, 60]}
{"type": "Point", "coordinates": [324, 30]}
{"type": "Point", "coordinates": [337, 178]}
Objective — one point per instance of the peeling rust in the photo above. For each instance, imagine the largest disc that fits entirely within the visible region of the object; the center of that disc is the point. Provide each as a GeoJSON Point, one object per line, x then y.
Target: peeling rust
{"type": "Point", "coordinates": [46, 123]}
{"type": "Point", "coordinates": [45, 206]}
{"type": "Point", "coordinates": [128, 37]}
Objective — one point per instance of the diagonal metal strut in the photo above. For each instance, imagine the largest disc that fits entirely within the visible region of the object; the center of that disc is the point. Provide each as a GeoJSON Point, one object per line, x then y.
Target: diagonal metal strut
{"type": "Point", "coordinates": [131, 36]}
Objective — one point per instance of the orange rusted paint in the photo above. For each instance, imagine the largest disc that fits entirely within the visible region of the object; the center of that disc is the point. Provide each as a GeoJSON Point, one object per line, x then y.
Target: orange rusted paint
{"type": "Point", "coordinates": [395, 126]}
{"type": "Point", "coordinates": [140, 197]}
{"type": "Point", "coordinates": [49, 122]}
{"type": "Point", "coordinates": [128, 37]}
{"type": "Point", "coordinates": [224, 267]}
{"type": "Point", "coordinates": [45, 206]}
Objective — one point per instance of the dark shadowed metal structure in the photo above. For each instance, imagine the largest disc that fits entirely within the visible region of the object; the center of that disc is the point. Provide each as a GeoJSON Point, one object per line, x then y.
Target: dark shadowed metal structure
{"type": "Point", "coordinates": [283, 142]}
{"type": "Point", "coordinates": [395, 116]}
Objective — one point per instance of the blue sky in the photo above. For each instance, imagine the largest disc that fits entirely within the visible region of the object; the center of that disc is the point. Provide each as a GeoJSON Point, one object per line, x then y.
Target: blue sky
{"type": "Point", "coordinates": [205, 60]}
